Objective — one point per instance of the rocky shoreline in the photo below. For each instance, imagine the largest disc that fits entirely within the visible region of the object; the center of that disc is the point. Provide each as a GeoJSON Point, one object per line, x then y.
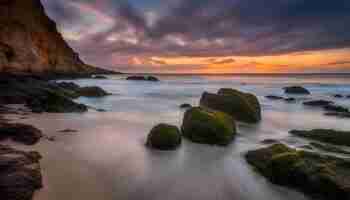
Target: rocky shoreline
{"type": "Point", "coordinates": [20, 174]}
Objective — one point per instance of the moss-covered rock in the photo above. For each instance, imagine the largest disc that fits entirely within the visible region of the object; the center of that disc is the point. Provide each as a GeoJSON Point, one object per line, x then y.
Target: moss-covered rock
{"type": "Point", "coordinates": [208, 127]}
{"type": "Point", "coordinates": [325, 135]}
{"type": "Point", "coordinates": [242, 106]}
{"type": "Point", "coordinates": [323, 177]}
{"type": "Point", "coordinates": [296, 90]}
{"type": "Point", "coordinates": [164, 137]}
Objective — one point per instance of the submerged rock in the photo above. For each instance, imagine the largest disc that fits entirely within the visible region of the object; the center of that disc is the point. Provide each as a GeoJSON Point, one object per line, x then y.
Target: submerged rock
{"type": "Point", "coordinates": [320, 103]}
{"type": "Point", "coordinates": [290, 99]}
{"type": "Point", "coordinates": [296, 90]}
{"type": "Point", "coordinates": [20, 174]}
{"type": "Point", "coordinates": [325, 135]}
{"type": "Point", "coordinates": [208, 127]}
{"type": "Point", "coordinates": [185, 106]}
{"type": "Point", "coordinates": [164, 137]}
{"type": "Point", "coordinates": [242, 106]}
{"type": "Point", "coordinates": [25, 134]}
{"type": "Point", "coordinates": [324, 177]}
{"type": "Point", "coordinates": [273, 97]}
{"type": "Point", "coordinates": [336, 108]}
{"type": "Point", "coordinates": [99, 77]}
{"type": "Point", "coordinates": [142, 78]}
{"type": "Point", "coordinates": [338, 96]}
{"type": "Point", "coordinates": [91, 92]}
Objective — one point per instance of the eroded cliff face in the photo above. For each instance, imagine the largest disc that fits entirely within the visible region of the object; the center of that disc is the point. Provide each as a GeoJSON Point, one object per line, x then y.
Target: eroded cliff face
{"type": "Point", "coordinates": [30, 42]}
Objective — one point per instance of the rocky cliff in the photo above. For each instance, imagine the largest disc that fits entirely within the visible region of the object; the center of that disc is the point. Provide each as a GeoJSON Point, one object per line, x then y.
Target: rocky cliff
{"type": "Point", "coordinates": [30, 42]}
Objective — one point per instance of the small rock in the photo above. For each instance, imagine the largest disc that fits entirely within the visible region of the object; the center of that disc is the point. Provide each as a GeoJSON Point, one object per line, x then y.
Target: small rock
{"type": "Point", "coordinates": [269, 141]}
{"type": "Point", "coordinates": [336, 108]}
{"type": "Point", "coordinates": [185, 106]}
{"type": "Point", "coordinates": [273, 97]}
{"type": "Point", "coordinates": [296, 90]}
{"type": "Point", "coordinates": [99, 77]}
{"type": "Point", "coordinates": [318, 103]}
{"type": "Point", "coordinates": [338, 96]}
{"type": "Point", "coordinates": [143, 78]}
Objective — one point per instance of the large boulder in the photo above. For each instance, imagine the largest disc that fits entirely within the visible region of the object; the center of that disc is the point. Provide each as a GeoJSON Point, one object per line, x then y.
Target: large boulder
{"type": "Point", "coordinates": [296, 90]}
{"type": "Point", "coordinates": [325, 135]}
{"type": "Point", "coordinates": [164, 137]}
{"type": "Point", "coordinates": [22, 133]}
{"type": "Point", "coordinates": [20, 174]}
{"type": "Point", "coordinates": [242, 106]}
{"type": "Point", "coordinates": [323, 177]}
{"type": "Point", "coordinates": [208, 127]}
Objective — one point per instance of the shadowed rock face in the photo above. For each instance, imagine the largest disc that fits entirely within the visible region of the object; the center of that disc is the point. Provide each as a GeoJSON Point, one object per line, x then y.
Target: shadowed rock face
{"type": "Point", "coordinates": [30, 42]}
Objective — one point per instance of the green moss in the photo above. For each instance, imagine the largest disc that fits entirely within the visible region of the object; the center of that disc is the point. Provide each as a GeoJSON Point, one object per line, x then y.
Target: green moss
{"type": "Point", "coordinates": [242, 106]}
{"type": "Point", "coordinates": [164, 137]}
{"type": "Point", "coordinates": [209, 127]}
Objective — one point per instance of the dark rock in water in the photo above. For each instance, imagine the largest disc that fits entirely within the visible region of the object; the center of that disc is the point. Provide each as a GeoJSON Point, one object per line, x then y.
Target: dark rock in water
{"type": "Point", "coordinates": [338, 96]}
{"type": "Point", "coordinates": [296, 90]}
{"type": "Point", "coordinates": [325, 135]}
{"type": "Point", "coordinates": [322, 177]}
{"type": "Point", "coordinates": [54, 103]}
{"type": "Point", "coordinates": [338, 114]}
{"type": "Point", "coordinates": [92, 92]}
{"type": "Point", "coordinates": [101, 110]}
{"type": "Point", "coordinates": [20, 174]}
{"type": "Point", "coordinates": [185, 106]}
{"type": "Point", "coordinates": [142, 78]}
{"type": "Point", "coordinates": [273, 97]}
{"type": "Point", "coordinates": [290, 99]}
{"type": "Point", "coordinates": [99, 77]}
{"type": "Point", "coordinates": [68, 85]}
{"type": "Point", "coordinates": [208, 127]}
{"type": "Point", "coordinates": [336, 108]}
{"type": "Point", "coordinates": [329, 148]}
{"type": "Point", "coordinates": [164, 137]}
{"type": "Point", "coordinates": [242, 106]}
{"type": "Point", "coordinates": [22, 133]}
{"type": "Point", "coordinates": [37, 94]}
{"type": "Point", "coordinates": [269, 141]}
{"type": "Point", "coordinates": [318, 103]}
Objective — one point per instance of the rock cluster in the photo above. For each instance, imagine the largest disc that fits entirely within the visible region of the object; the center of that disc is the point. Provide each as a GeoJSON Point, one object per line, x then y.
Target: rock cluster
{"type": "Point", "coordinates": [296, 90]}
{"type": "Point", "coordinates": [22, 133]}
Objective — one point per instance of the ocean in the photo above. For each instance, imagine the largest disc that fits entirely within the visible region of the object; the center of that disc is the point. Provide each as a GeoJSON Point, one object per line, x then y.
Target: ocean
{"type": "Point", "coordinates": [107, 159]}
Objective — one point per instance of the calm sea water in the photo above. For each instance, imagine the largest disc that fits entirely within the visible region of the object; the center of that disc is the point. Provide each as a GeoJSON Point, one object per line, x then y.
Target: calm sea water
{"type": "Point", "coordinates": [107, 158]}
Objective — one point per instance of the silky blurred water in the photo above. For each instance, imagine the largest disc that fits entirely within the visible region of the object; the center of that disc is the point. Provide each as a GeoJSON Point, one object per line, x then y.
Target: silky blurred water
{"type": "Point", "coordinates": [107, 158]}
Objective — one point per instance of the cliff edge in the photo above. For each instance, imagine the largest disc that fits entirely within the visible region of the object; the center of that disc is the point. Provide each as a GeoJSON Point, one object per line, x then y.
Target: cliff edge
{"type": "Point", "coordinates": [30, 42]}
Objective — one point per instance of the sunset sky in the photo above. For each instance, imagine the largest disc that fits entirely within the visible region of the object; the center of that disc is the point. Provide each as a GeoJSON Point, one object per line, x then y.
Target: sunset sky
{"type": "Point", "coordinates": [208, 36]}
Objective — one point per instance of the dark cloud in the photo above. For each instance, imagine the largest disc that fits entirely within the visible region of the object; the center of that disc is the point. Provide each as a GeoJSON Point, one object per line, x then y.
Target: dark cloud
{"type": "Point", "coordinates": [212, 28]}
